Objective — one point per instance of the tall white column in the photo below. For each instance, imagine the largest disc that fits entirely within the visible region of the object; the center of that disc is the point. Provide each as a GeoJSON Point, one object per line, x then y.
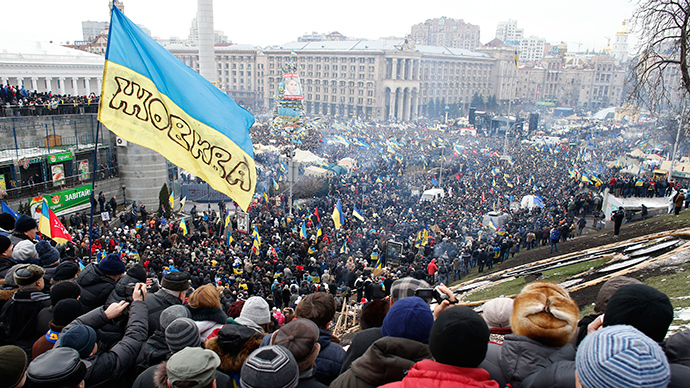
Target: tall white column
{"type": "Point", "coordinates": [75, 86]}
{"type": "Point", "coordinates": [34, 83]}
{"type": "Point", "coordinates": [391, 105]}
{"type": "Point", "coordinates": [406, 105]}
{"type": "Point", "coordinates": [207, 59]}
{"type": "Point", "coordinates": [87, 83]}
{"type": "Point", "coordinates": [98, 82]}
{"type": "Point", "coordinates": [399, 102]}
{"type": "Point", "coordinates": [394, 73]}
{"type": "Point", "coordinates": [62, 85]}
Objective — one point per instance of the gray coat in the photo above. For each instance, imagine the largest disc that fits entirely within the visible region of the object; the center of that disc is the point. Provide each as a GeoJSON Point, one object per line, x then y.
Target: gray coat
{"type": "Point", "coordinates": [525, 363]}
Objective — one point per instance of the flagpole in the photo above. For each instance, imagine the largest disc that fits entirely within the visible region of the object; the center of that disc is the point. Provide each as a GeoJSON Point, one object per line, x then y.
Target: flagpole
{"type": "Point", "coordinates": [93, 187]}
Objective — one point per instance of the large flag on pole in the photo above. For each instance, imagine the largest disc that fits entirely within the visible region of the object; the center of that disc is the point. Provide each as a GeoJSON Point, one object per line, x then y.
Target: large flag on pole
{"type": "Point", "coordinates": [151, 98]}
{"type": "Point", "coordinates": [356, 213]}
{"type": "Point", "coordinates": [50, 226]}
{"type": "Point", "coordinates": [183, 226]}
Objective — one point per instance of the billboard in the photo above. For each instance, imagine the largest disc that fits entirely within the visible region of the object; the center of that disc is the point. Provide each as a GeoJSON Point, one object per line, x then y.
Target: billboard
{"type": "Point", "coordinates": [289, 112]}
{"type": "Point", "coordinates": [64, 200]}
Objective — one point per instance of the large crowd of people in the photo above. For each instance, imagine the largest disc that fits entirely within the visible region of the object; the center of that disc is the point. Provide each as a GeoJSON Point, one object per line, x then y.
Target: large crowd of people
{"type": "Point", "coordinates": [151, 302]}
{"type": "Point", "coordinates": [16, 100]}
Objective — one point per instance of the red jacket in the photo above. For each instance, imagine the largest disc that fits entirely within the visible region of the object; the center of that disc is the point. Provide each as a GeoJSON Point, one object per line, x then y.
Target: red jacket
{"type": "Point", "coordinates": [432, 267]}
{"type": "Point", "coordinates": [431, 374]}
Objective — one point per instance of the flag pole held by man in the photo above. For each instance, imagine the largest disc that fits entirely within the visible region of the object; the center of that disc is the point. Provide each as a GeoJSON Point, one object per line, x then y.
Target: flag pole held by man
{"type": "Point", "coordinates": [151, 98]}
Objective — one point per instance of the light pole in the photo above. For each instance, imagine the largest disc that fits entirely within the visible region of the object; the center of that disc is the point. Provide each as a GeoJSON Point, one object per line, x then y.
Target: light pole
{"type": "Point", "coordinates": [446, 120]}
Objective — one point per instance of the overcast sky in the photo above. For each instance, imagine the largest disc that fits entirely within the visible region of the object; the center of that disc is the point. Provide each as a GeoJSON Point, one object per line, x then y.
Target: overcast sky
{"type": "Point", "coordinates": [270, 22]}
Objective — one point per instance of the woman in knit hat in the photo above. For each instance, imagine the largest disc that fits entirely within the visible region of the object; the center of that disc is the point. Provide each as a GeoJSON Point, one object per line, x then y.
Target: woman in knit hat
{"type": "Point", "coordinates": [543, 321]}
{"type": "Point", "coordinates": [256, 315]}
{"type": "Point", "coordinates": [496, 313]}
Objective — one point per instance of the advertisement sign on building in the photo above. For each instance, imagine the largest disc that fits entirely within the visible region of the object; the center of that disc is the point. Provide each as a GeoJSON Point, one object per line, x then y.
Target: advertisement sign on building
{"type": "Point", "coordinates": [61, 157]}
{"type": "Point", "coordinates": [58, 171]}
{"type": "Point", "coordinates": [84, 170]}
{"type": "Point", "coordinates": [71, 199]}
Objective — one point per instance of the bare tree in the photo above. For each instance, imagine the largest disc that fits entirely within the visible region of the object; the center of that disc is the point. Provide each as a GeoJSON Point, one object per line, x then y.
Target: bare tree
{"type": "Point", "coordinates": [661, 61]}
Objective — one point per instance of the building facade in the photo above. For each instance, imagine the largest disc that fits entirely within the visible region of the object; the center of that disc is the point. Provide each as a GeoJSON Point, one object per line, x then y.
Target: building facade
{"type": "Point", "coordinates": [446, 32]}
{"type": "Point", "coordinates": [379, 80]}
{"type": "Point", "coordinates": [531, 49]}
{"type": "Point", "coordinates": [509, 33]}
{"type": "Point", "coordinates": [47, 67]}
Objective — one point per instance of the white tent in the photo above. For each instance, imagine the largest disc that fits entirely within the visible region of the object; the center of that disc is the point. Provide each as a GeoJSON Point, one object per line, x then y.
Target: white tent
{"type": "Point", "coordinates": [306, 157]}
{"type": "Point", "coordinates": [317, 172]}
{"type": "Point", "coordinates": [260, 148]}
{"type": "Point", "coordinates": [530, 201]}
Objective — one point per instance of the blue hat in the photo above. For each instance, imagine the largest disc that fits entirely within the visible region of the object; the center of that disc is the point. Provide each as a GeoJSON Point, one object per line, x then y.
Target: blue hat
{"type": "Point", "coordinates": [81, 338]}
{"type": "Point", "coordinates": [24, 224]}
{"type": "Point", "coordinates": [621, 356]}
{"type": "Point", "coordinates": [409, 318]}
{"type": "Point", "coordinates": [47, 254]}
{"type": "Point", "coordinates": [112, 265]}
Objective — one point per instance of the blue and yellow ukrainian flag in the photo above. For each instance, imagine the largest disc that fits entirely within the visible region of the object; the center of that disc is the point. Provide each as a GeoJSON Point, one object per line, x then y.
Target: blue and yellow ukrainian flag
{"type": "Point", "coordinates": [338, 215]}
{"type": "Point", "coordinates": [151, 98]}
{"type": "Point", "coordinates": [303, 231]}
{"type": "Point", "coordinates": [356, 213]}
{"type": "Point", "coordinates": [183, 226]}
{"type": "Point", "coordinates": [227, 217]}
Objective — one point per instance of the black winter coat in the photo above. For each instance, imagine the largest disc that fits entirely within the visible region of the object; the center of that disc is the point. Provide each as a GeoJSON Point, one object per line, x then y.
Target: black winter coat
{"type": "Point", "coordinates": [95, 287]}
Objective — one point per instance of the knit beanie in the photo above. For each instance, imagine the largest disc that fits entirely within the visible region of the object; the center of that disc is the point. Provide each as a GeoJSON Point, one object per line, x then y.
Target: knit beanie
{"type": "Point", "coordinates": [138, 272]}
{"type": "Point", "coordinates": [182, 333]}
{"type": "Point", "coordinates": [459, 337]}
{"type": "Point", "coordinates": [24, 250]}
{"type": "Point", "coordinates": [643, 307]}
{"type": "Point", "coordinates": [172, 313]}
{"type": "Point", "coordinates": [4, 244]}
{"type": "Point", "coordinates": [609, 288]}
{"type": "Point", "coordinates": [621, 356]}
{"type": "Point", "coordinates": [544, 312]}
{"type": "Point", "coordinates": [497, 312]}
{"type": "Point", "coordinates": [256, 310]}
{"type": "Point", "coordinates": [65, 311]}
{"type": "Point", "coordinates": [24, 224]}
{"type": "Point", "coordinates": [64, 290]}
{"type": "Point", "coordinates": [81, 338]}
{"type": "Point", "coordinates": [112, 265]}
{"type": "Point", "coordinates": [409, 318]}
{"type": "Point", "coordinates": [29, 274]}
{"type": "Point", "coordinates": [13, 363]}
{"type": "Point", "coordinates": [47, 254]}
{"type": "Point", "coordinates": [6, 222]}
{"type": "Point", "coordinates": [65, 271]}
{"type": "Point", "coordinates": [270, 366]}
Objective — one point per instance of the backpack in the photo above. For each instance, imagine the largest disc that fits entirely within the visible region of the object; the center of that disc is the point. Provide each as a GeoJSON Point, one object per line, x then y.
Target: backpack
{"type": "Point", "coordinates": [554, 234]}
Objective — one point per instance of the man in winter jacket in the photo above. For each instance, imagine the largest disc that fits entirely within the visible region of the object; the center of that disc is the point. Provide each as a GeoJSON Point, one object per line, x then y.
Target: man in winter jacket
{"type": "Point", "coordinates": [25, 228]}
{"type": "Point", "coordinates": [301, 337]}
{"type": "Point", "coordinates": [98, 281]}
{"type": "Point", "coordinates": [173, 290]}
{"type": "Point", "coordinates": [458, 343]}
{"type": "Point", "coordinates": [320, 309]}
{"type": "Point", "coordinates": [109, 369]}
{"type": "Point", "coordinates": [406, 331]}
{"type": "Point", "coordinates": [19, 316]}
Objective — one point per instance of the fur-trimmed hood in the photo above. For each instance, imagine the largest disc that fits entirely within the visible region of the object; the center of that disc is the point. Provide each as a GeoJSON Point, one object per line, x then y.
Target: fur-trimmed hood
{"type": "Point", "coordinates": [232, 363]}
{"type": "Point", "coordinates": [545, 312]}
{"type": "Point", "coordinates": [160, 376]}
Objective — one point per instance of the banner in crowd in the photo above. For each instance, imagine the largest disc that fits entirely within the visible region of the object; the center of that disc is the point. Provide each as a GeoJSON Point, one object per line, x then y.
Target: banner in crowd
{"type": "Point", "coordinates": [151, 98]}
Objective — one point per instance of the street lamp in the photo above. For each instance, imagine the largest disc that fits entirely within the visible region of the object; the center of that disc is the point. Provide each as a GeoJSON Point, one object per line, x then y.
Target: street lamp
{"type": "Point", "coordinates": [447, 109]}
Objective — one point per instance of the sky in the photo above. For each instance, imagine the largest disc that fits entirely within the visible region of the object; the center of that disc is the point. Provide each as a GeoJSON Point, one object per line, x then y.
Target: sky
{"type": "Point", "coordinates": [269, 22]}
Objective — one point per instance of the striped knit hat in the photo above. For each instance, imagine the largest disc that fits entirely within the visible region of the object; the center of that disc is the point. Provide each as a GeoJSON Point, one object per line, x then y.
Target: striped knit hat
{"type": "Point", "coordinates": [621, 356]}
{"type": "Point", "coordinates": [270, 366]}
